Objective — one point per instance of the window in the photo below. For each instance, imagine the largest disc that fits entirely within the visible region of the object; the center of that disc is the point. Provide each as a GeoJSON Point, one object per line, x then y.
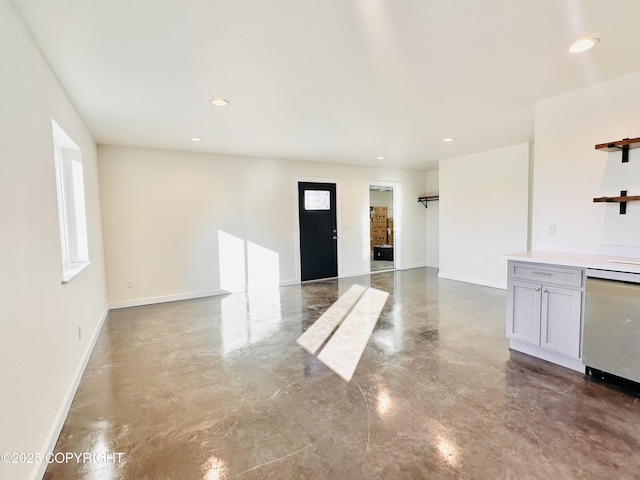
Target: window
{"type": "Point", "coordinates": [317, 200]}
{"type": "Point", "coordinates": [71, 207]}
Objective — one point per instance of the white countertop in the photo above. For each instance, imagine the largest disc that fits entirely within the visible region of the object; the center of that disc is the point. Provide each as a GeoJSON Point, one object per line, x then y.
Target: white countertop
{"type": "Point", "coordinates": [601, 262]}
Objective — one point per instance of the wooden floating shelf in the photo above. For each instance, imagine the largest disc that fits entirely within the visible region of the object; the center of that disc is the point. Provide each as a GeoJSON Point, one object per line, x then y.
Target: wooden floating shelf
{"type": "Point", "coordinates": [617, 199]}
{"type": "Point", "coordinates": [428, 198]}
{"type": "Point", "coordinates": [622, 200]}
{"type": "Point", "coordinates": [617, 145]}
{"type": "Point", "coordinates": [623, 145]}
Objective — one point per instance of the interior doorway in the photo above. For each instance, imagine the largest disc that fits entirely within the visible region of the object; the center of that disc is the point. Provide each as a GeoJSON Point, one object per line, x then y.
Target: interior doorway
{"type": "Point", "coordinates": [382, 231]}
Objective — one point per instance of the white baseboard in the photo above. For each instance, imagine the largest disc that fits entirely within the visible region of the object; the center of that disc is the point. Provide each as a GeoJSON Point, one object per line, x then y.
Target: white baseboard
{"type": "Point", "coordinates": [61, 417]}
{"type": "Point", "coordinates": [475, 281]}
{"type": "Point", "coordinates": [165, 298]}
{"type": "Point", "coordinates": [369, 272]}
{"type": "Point", "coordinates": [210, 293]}
{"type": "Point", "coordinates": [412, 265]}
{"type": "Point", "coordinates": [355, 274]}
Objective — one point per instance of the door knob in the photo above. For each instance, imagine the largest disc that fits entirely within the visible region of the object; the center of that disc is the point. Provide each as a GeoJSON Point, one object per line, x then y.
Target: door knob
{"type": "Point", "coordinates": [537, 289]}
{"type": "Point", "coordinates": [334, 237]}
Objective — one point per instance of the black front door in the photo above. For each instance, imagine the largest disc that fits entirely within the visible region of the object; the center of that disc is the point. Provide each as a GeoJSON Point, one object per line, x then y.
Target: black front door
{"type": "Point", "coordinates": [318, 231]}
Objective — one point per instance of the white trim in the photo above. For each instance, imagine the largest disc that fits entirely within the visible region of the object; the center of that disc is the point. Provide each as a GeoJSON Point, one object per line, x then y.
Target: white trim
{"type": "Point", "coordinates": [476, 281]}
{"type": "Point", "coordinates": [72, 271]}
{"type": "Point", "coordinates": [396, 191]}
{"type": "Point", "coordinates": [165, 298]}
{"type": "Point", "coordinates": [61, 417]}
{"type": "Point", "coordinates": [356, 274]}
{"type": "Point", "coordinates": [367, 272]}
{"type": "Point", "coordinates": [413, 265]}
{"type": "Point", "coordinates": [70, 189]}
{"type": "Point", "coordinates": [558, 359]}
{"type": "Point", "coordinates": [138, 302]}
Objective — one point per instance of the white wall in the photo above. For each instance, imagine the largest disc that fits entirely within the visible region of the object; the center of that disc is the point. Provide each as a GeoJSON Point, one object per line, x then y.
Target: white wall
{"type": "Point", "coordinates": [433, 220]}
{"type": "Point", "coordinates": [483, 214]}
{"type": "Point", "coordinates": [41, 357]}
{"type": "Point", "coordinates": [569, 172]}
{"type": "Point", "coordinates": [162, 212]}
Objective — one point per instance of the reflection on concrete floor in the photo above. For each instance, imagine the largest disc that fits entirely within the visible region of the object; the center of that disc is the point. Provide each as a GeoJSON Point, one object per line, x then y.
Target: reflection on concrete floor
{"type": "Point", "coordinates": [217, 387]}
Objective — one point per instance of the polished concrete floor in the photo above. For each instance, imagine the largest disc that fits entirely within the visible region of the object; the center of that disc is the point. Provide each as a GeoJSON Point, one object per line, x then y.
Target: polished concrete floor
{"type": "Point", "coordinates": [382, 265]}
{"type": "Point", "coordinates": [217, 388]}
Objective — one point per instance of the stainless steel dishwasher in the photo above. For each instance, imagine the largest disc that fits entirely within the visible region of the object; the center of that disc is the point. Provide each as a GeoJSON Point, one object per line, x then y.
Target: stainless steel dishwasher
{"type": "Point", "coordinates": [611, 340]}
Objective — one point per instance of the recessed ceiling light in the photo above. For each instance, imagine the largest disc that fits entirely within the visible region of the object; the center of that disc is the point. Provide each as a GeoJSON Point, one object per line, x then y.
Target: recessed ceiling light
{"type": "Point", "coordinates": [219, 102]}
{"type": "Point", "coordinates": [196, 139]}
{"type": "Point", "coordinates": [379, 158]}
{"type": "Point", "coordinates": [448, 139]}
{"type": "Point", "coordinates": [583, 45]}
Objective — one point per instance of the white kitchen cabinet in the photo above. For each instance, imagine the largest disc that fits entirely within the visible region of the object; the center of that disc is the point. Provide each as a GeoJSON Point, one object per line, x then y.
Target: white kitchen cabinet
{"type": "Point", "coordinates": [544, 311]}
{"type": "Point", "coordinates": [524, 306]}
{"type": "Point", "coordinates": [561, 320]}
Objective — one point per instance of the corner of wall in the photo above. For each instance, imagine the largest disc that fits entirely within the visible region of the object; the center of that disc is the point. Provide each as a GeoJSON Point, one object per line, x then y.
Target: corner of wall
{"type": "Point", "coordinates": [530, 195]}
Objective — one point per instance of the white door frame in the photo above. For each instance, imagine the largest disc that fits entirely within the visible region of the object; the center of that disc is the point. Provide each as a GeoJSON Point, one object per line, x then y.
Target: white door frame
{"type": "Point", "coordinates": [396, 188]}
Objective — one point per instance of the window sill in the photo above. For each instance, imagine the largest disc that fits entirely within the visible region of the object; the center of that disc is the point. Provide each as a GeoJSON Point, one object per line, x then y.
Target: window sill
{"type": "Point", "coordinates": [73, 271]}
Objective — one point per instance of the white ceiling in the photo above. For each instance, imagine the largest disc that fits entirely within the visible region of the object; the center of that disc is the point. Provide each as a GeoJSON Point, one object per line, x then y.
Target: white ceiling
{"type": "Point", "coordinates": [340, 81]}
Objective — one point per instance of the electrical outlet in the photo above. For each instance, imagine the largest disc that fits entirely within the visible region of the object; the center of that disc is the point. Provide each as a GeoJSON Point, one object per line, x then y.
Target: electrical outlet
{"type": "Point", "coordinates": [129, 283]}
{"type": "Point", "coordinates": [482, 265]}
{"type": "Point", "coordinates": [551, 230]}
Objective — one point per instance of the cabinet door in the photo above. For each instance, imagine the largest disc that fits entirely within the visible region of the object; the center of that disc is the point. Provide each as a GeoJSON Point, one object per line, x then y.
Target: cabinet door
{"type": "Point", "coordinates": [560, 321]}
{"type": "Point", "coordinates": [523, 312]}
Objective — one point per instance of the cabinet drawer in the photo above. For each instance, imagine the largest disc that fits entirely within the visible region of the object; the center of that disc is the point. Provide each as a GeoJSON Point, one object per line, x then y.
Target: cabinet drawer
{"type": "Point", "coordinates": [540, 273]}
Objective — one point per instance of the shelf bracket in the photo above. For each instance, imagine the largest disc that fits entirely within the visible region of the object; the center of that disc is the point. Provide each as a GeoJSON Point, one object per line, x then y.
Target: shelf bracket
{"type": "Point", "coordinates": [622, 200]}
{"type": "Point", "coordinates": [623, 193]}
{"type": "Point", "coordinates": [424, 200]}
{"type": "Point", "coordinates": [624, 148]}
